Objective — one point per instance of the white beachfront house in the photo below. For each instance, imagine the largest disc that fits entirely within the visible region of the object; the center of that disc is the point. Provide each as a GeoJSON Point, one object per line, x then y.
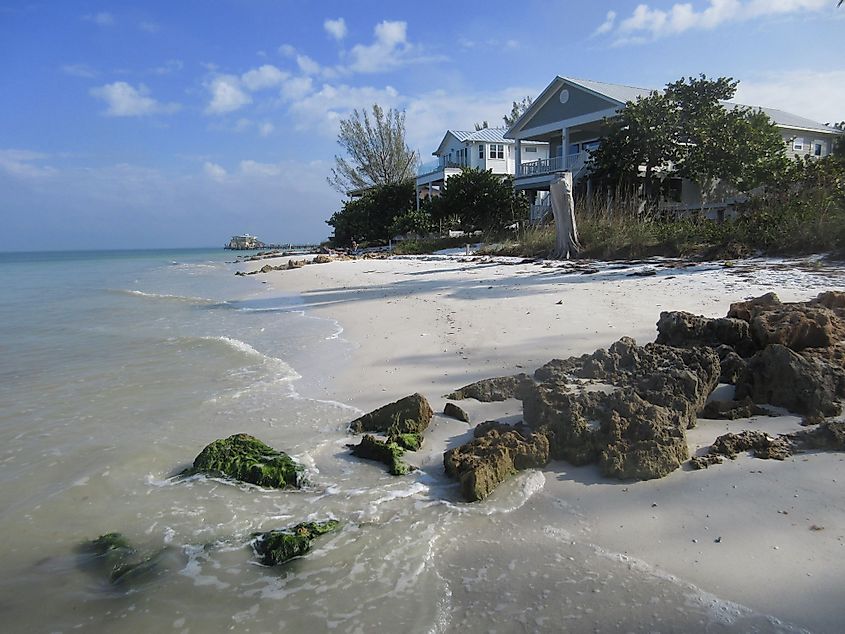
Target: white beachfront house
{"type": "Point", "coordinates": [569, 115]}
{"type": "Point", "coordinates": [485, 149]}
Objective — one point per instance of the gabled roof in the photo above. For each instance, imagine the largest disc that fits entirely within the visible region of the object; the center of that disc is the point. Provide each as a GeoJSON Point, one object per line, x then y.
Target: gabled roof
{"type": "Point", "coordinates": [618, 94]}
{"type": "Point", "coordinates": [485, 135]}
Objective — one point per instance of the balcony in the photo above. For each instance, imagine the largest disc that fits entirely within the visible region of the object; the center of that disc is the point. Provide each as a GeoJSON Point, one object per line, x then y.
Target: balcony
{"type": "Point", "coordinates": [433, 167]}
{"type": "Point", "coordinates": [573, 163]}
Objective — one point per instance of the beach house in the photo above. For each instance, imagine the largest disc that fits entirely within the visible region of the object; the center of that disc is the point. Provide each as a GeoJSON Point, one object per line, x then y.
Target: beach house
{"type": "Point", "coordinates": [485, 149]}
{"type": "Point", "coordinates": [569, 116]}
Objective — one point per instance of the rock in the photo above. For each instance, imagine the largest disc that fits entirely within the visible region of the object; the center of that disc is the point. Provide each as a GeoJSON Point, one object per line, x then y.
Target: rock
{"type": "Point", "coordinates": [630, 410]}
{"type": "Point", "coordinates": [828, 435]}
{"type": "Point", "coordinates": [797, 327]}
{"type": "Point", "coordinates": [453, 411]}
{"type": "Point", "coordinates": [267, 268]}
{"type": "Point", "coordinates": [732, 365]}
{"type": "Point", "coordinates": [390, 453]}
{"type": "Point", "coordinates": [705, 461]}
{"type": "Point", "coordinates": [321, 259]}
{"type": "Point", "coordinates": [804, 385]}
{"type": "Point", "coordinates": [245, 458]}
{"type": "Point", "coordinates": [483, 463]}
{"type": "Point", "coordinates": [731, 410]}
{"type": "Point", "coordinates": [748, 309]}
{"type": "Point", "coordinates": [411, 414]}
{"type": "Point", "coordinates": [411, 442]}
{"type": "Point", "coordinates": [112, 555]}
{"type": "Point", "coordinates": [496, 389]}
{"type": "Point", "coordinates": [682, 329]}
{"type": "Point", "coordinates": [278, 546]}
{"type": "Point", "coordinates": [761, 444]}
{"type": "Point", "coordinates": [295, 264]}
{"type": "Point", "coordinates": [835, 300]}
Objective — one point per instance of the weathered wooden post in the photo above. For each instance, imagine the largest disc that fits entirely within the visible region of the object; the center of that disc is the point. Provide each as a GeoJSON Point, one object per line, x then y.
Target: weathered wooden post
{"type": "Point", "coordinates": [563, 209]}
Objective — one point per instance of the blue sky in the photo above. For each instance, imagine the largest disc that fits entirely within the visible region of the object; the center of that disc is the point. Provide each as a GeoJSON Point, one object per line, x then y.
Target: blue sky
{"type": "Point", "coordinates": [168, 124]}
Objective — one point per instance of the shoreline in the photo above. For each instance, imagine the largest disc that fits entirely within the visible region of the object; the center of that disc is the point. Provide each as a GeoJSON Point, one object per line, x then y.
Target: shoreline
{"type": "Point", "coordinates": [739, 531]}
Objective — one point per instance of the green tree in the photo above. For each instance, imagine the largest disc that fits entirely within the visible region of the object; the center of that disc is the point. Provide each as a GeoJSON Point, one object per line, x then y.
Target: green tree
{"type": "Point", "coordinates": [482, 200]}
{"type": "Point", "coordinates": [376, 149]}
{"type": "Point", "coordinates": [689, 131]}
{"type": "Point", "coordinates": [517, 110]}
{"type": "Point", "coordinates": [370, 217]}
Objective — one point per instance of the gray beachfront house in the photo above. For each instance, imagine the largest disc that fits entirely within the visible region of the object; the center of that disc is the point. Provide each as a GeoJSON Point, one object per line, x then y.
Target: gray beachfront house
{"type": "Point", "coordinates": [569, 115]}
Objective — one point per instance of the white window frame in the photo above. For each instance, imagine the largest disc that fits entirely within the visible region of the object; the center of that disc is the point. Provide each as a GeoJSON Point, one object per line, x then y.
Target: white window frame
{"type": "Point", "coordinates": [480, 151]}
{"type": "Point", "coordinates": [530, 149]}
{"type": "Point", "coordinates": [798, 144]}
{"type": "Point", "coordinates": [497, 151]}
{"type": "Point", "coordinates": [817, 144]}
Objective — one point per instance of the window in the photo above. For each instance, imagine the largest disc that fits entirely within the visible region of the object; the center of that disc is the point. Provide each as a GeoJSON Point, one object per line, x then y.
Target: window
{"type": "Point", "coordinates": [818, 148]}
{"type": "Point", "coordinates": [481, 151]}
{"type": "Point", "coordinates": [798, 143]}
{"type": "Point", "coordinates": [497, 151]}
{"type": "Point", "coordinates": [530, 149]}
{"type": "Point", "coordinates": [573, 148]}
{"type": "Point", "coordinates": [590, 146]}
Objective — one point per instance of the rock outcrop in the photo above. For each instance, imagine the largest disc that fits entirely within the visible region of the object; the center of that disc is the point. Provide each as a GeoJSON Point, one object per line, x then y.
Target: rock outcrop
{"type": "Point", "coordinates": [682, 329]}
{"type": "Point", "coordinates": [388, 452]}
{"type": "Point", "coordinates": [409, 415]}
{"type": "Point", "coordinates": [453, 411]}
{"type": "Point", "coordinates": [626, 407]}
{"type": "Point", "coordinates": [498, 452]}
{"type": "Point", "coordinates": [496, 389]}
{"type": "Point", "coordinates": [731, 410]}
{"type": "Point", "coordinates": [113, 556]}
{"type": "Point", "coordinates": [278, 546]}
{"type": "Point", "coordinates": [245, 458]}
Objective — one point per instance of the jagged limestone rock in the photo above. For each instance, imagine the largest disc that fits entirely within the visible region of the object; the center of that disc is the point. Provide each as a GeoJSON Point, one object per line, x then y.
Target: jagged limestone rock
{"type": "Point", "coordinates": [801, 384]}
{"type": "Point", "coordinates": [453, 411]}
{"type": "Point", "coordinates": [496, 389]}
{"type": "Point", "coordinates": [387, 452]}
{"type": "Point", "coordinates": [682, 329]}
{"type": "Point", "coordinates": [278, 546]}
{"type": "Point", "coordinates": [731, 410]}
{"type": "Point", "coordinates": [828, 435]}
{"type": "Point", "coordinates": [626, 407]}
{"type": "Point", "coordinates": [409, 415]}
{"type": "Point", "coordinates": [245, 458]}
{"type": "Point", "coordinates": [483, 463]}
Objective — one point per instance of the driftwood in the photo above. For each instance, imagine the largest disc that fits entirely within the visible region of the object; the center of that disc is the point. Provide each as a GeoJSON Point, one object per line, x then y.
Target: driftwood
{"type": "Point", "coordinates": [563, 208]}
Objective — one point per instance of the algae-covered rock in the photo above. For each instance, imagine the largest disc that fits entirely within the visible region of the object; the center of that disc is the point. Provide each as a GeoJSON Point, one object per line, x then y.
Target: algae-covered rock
{"type": "Point", "coordinates": [409, 415]}
{"type": "Point", "coordinates": [113, 556]}
{"type": "Point", "coordinates": [411, 442]}
{"type": "Point", "coordinates": [483, 463]}
{"type": "Point", "coordinates": [496, 389]}
{"type": "Point", "coordinates": [244, 457]}
{"type": "Point", "coordinates": [387, 452]}
{"type": "Point", "coordinates": [453, 411]}
{"type": "Point", "coordinates": [278, 546]}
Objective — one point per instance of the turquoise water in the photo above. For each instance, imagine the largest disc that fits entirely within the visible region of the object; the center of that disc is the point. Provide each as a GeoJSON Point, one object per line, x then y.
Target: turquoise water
{"type": "Point", "coordinates": [117, 368]}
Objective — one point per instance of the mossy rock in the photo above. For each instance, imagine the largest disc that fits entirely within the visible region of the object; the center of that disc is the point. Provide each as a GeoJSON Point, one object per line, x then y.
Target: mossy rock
{"type": "Point", "coordinates": [409, 415]}
{"type": "Point", "coordinates": [115, 557]}
{"type": "Point", "coordinates": [388, 452]}
{"type": "Point", "coordinates": [411, 442]}
{"type": "Point", "coordinates": [245, 458]}
{"type": "Point", "coordinates": [278, 546]}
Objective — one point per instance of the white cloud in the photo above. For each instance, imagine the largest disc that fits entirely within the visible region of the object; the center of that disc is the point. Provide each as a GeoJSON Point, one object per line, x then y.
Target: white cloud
{"type": "Point", "coordinates": [287, 50]}
{"type": "Point", "coordinates": [79, 70]}
{"type": "Point", "coordinates": [321, 110]}
{"type": "Point", "coordinates": [307, 65]}
{"type": "Point", "coordinates": [798, 92]}
{"type": "Point", "coordinates": [254, 168]}
{"type": "Point", "coordinates": [24, 163]}
{"type": "Point", "coordinates": [607, 25]}
{"type": "Point", "coordinates": [650, 23]}
{"type": "Point", "coordinates": [296, 88]}
{"type": "Point", "coordinates": [266, 129]}
{"type": "Point", "coordinates": [169, 67]}
{"type": "Point", "coordinates": [124, 100]}
{"type": "Point", "coordinates": [386, 51]}
{"type": "Point", "coordinates": [100, 19]}
{"type": "Point", "coordinates": [336, 28]}
{"type": "Point", "coordinates": [265, 76]}
{"type": "Point", "coordinates": [226, 95]}
{"type": "Point", "coordinates": [214, 171]}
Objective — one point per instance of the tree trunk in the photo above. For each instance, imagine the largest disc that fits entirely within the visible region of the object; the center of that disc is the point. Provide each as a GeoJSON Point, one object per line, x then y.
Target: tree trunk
{"type": "Point", "coordinates": [563, 208]}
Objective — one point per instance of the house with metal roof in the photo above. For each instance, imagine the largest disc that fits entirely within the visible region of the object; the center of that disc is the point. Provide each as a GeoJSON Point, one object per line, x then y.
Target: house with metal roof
{"type": "Point", "coordinates": [485, 149]}
{"type": "Point", "coordinates": [569, 115]}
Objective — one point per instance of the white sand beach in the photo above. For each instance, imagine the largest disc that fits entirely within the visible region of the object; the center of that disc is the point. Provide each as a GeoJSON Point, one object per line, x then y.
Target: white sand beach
{"type": "Point", "coordinates": [749, 534]}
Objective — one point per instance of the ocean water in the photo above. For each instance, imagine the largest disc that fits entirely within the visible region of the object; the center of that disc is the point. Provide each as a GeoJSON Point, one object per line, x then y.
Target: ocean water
{"type": "Point", "coordinates": [119, 367]}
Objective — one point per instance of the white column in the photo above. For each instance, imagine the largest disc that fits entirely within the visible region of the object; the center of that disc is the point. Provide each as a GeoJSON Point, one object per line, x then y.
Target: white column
{"type": "Point", "coordinates": [518, 157]}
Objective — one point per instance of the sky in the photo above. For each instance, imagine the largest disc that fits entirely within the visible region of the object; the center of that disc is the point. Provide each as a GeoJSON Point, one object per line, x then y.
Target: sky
{"type": "Point", "coordinates": [166, 124]}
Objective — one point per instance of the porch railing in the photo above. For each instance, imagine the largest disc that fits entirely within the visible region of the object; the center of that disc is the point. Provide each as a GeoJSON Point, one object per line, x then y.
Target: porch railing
{"type": "Point", "coordinates": [573, 163]}
{"type": "Point", "coordinates": [439, 165]}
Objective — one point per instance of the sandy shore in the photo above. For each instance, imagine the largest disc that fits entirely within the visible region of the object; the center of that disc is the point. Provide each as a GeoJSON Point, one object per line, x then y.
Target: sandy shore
{"type": "Point", "coordinates": [745, 531]}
